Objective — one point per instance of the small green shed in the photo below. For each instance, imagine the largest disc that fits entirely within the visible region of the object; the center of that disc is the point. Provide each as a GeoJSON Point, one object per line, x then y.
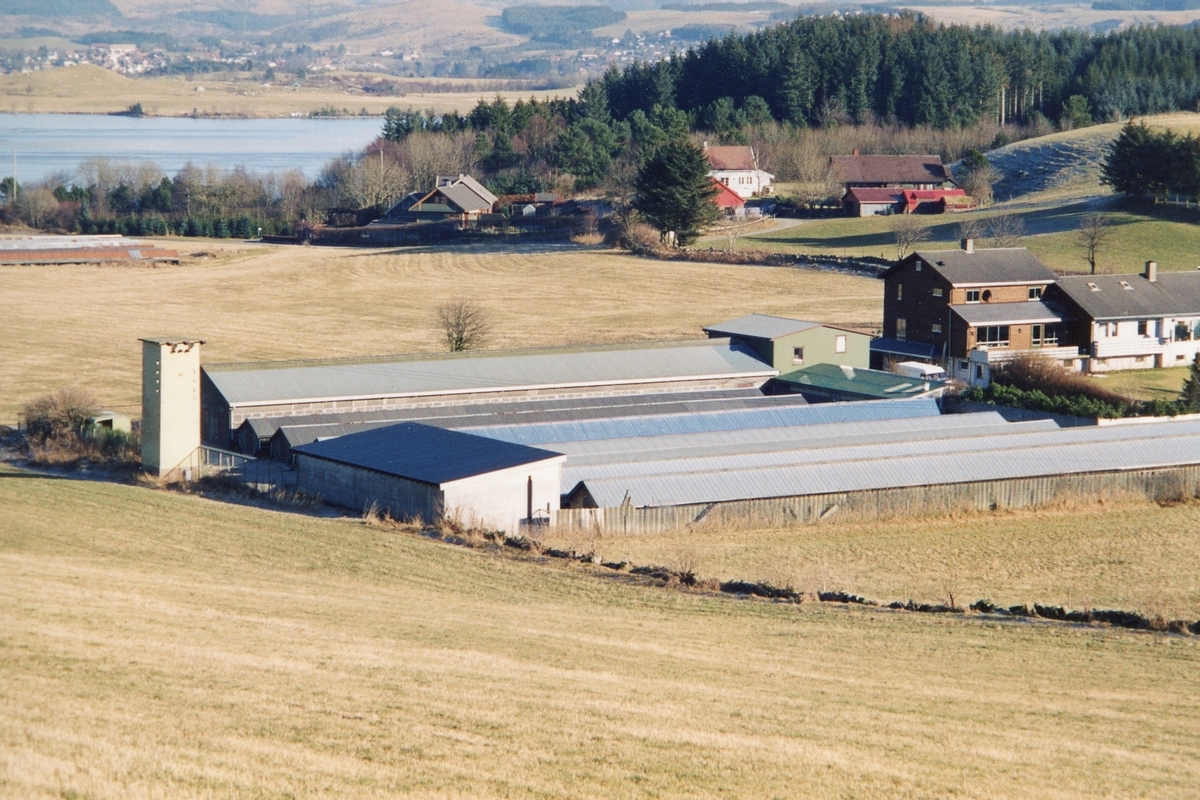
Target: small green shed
{"type": "Point", "coordinates": [787, 344]}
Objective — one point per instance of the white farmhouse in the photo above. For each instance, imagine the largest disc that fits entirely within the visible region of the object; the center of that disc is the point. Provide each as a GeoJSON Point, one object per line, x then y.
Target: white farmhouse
{"type": "Point", "coordinates": [1146, 321]}
{"type": "Point", "coordinates": [736, 166]}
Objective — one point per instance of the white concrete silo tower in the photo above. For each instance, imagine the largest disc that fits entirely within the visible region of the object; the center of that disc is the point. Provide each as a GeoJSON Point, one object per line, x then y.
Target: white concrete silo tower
{"type": "Point", "coordinates": [170, 404]}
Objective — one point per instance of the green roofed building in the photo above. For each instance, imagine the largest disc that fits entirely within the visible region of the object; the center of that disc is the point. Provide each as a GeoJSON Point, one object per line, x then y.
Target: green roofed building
{"type": "Point", "coordinates": [834, 383]}
{"type": "Point", "coordinates": [789, 343]}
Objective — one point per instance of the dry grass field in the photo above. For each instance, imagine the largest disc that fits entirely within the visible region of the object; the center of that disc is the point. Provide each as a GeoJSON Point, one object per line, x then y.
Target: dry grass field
{"type": "Point", "coordinates": [80, 324]}
{"type": "Point", "coordinates": [159, 645]}
{"type": "Point", "coordinates": [1127, 556]}
{"type": "Point", "coordinates": [93, 90]}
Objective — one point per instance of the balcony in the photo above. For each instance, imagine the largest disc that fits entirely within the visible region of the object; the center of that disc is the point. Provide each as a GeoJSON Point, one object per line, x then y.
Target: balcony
{"type": "Point", "coordinates": [1054, 353]}
{"type": "Point", "coordinates": [1120, 348]}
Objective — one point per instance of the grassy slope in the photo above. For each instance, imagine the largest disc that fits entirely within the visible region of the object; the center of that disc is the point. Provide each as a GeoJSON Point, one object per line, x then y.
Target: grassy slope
{"type": "Point", "coordinates": [1123, 556]}
{"type": "Point", "coordinates": [154, 644]}
{"type": "Point", "coordinates": [287, 302]}
{"type": "Point", "coordinates": [93, 90]}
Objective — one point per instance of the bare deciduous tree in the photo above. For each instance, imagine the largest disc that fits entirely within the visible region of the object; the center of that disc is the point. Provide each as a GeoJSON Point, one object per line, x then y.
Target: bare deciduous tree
{"type": "Point", "coordinates": [37, 206]}
{"type": "Point", "coordinates": [908, 230]}
{"type": "Point", "coordinates": [977, 182]}
{"type": "Point", "coordinates": [463, 324]}
{"type": "Point", "coordinates": [1094, 232]}
{"type": "Point", "coordinates": [970, 227]}
{"type": "Point", "coordinates": [1005, 230]}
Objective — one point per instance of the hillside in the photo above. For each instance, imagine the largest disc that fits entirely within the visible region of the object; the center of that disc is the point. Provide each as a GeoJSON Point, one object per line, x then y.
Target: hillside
{"type": "Point", "coordinates": [155, 645]}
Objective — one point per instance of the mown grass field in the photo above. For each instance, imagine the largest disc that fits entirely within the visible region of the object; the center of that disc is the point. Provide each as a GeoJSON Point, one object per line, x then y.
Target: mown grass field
{"type": "Point", "coordinates": [89, 89]}
{"type": "Point", "coordinates": [80, 324]}
{"type": "Point", "coordinates": [153, 644]}
{"type": "Point", "coordinates": [1126, 556]}
{"type": "Point", "coordinates": [1146, 384]}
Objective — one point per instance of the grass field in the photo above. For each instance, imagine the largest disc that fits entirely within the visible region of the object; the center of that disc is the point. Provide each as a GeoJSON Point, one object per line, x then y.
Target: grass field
{"type": "Point", "coordinates": [80, 324]}
{"type": "Point", "coordinates": [1137, 556]}
{"type": "Point", "coordinates": [93, 90]}
{"type": "Point", "coordinates": [1051, 235]}
{"type": "Point", "coordinates": [157, 645]}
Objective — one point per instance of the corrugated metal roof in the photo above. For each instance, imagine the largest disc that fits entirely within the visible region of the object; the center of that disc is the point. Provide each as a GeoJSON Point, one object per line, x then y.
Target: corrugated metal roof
{"type": "Point", "coordinates": [761, 326]}
{"type": "Point", "coordinates": [765, 440]}
{"type": "Point", "coordinates": [902, 348]}
{"type": "Point", "coordinates": [481, 372]}
{"type": "Point", "coordinates": [531, 410]}
{"type": "Point", "coordinates": [331, 425]}
{"type": "Point", "coordinates": [424, 453]}
{"type": "Point", "coordinates": [633, 427]}
{"type": "Point", "coordinates": [855, 380]}
{"type": "Point", "coordinates": [1028, 311]}
{"type": "Point", "coordinates": [981, 445]}
{"type": "Point", "coordinates": [1070, 451]}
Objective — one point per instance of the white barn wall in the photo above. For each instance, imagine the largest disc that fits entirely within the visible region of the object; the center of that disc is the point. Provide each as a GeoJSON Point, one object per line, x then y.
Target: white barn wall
{"type": "Point", "coordinates": [499, 500]}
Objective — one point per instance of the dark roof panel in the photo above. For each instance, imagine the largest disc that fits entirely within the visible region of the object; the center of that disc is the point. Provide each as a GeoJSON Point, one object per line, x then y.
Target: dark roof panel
{"type": "Point", "coordinates": [1174, 293]}
{"type": "Point", "coordinates": [985, 266]}
{"type": "Point", "coordinates": [425, 453]}
{"type": "Point", "coordinates": [890, 169]}
{"type": "Point", "coordinates": [1025, 312]}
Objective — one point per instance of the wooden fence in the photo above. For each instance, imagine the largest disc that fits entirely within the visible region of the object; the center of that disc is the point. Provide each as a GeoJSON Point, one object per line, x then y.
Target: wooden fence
{"type": "Point", "coordinates": [1159, 485]}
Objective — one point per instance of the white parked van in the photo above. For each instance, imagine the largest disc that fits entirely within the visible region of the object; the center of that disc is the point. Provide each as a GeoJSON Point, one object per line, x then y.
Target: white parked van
{"type": "Point", "coordinates": [916, 369]}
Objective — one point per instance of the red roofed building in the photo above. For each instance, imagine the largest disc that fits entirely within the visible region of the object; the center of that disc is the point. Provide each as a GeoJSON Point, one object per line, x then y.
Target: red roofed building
{"type": "Point", "coordinates": [869, 201]}
{"type": "Point", "coordinates": [727, 199]}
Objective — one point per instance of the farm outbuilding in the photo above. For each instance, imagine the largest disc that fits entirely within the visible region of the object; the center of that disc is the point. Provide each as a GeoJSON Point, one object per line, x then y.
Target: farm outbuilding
{"type": "Point", "coordinates": [789, 343]}
{"type": "Point", "coordinates": [410, 470]}
{"type": "Point", "coordinates": [233, 393]}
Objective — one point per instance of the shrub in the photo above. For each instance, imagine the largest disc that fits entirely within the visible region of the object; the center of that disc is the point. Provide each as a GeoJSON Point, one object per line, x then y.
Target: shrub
{"type": "Point", "coordinates": [59, 416]}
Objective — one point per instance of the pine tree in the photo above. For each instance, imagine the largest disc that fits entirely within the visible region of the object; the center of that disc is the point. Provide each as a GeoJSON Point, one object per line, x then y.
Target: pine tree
{"type": "Point", "coordinates": [674, 192]}
{"type": "Point", "coordinates": [1191, 387]}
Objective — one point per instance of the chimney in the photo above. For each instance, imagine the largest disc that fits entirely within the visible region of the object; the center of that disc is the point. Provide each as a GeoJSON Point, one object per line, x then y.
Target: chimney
{"type": "Point", "coordinates": [1152, 271]}
{"type": "Point", "coordinates": [855, 152]}
{"type": "Point", "coordinates": [968, 245]}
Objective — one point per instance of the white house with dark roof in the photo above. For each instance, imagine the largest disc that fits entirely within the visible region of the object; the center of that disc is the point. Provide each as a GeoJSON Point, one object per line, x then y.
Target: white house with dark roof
{"type": "Point", "coordinates": [1145, 321]}
{"type": "Point", "coordinates": [736, 166]}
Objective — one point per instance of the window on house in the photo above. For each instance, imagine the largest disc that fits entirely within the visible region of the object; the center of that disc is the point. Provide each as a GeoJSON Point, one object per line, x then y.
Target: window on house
{"type": "Point", "coordinates": [797, 355]}
{"type": "Point", "coordinates": [972, 295]}
{"type": "Point", "coordinates": [839, 344]}
{"type": "Point", "coordinates": [918, 266]}
{"type": "Point", "coordinates": [937, 327]}
{"type": "Point", "coordinates": [1115, 328]}
{"type": "Point", "coordinates": [1093, 287]}
{"type": "Point", "coordinates": [1125, 285]}
{"type": "Point", "coordinates": [899, 291]}
{"type": "Point", "coordinates": [1182, 332]}
{"type": "Point", "coordinates": [1035, 292]}
{"type": "Point", "coordinates": [937, 292]}
{"type": "Point", "coordinates": [1143, 328]}
{"type": "Point", "coordinates": [964, 364]}
{"type": "Point", "coordinates": [992, 336]}
{"type": "Point", "coordinates": [979, 372]}
{"type": "Point", "coordinates": [901, 329]}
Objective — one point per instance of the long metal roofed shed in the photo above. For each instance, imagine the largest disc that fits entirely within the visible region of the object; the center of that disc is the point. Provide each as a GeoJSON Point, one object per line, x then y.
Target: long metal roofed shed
{"type": "Point", "coordinates": [413, 470]}
{"type": "Point", "coordinates": [233, 393]}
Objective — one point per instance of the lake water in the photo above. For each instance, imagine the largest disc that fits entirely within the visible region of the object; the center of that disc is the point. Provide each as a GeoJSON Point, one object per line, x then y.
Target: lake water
{"type": "Point", "coordinates": [50, 143]}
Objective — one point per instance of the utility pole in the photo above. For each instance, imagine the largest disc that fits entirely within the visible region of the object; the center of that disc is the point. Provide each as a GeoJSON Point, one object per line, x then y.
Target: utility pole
{"type": "Point", "coordinates": [14, 197]}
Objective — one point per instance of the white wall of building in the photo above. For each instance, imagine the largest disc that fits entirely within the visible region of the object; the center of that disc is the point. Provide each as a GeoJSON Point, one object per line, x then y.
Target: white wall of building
{"type": "Point", "coordinates": [1144, 344]}
{"type": "Point", "coordinates": [745, 183]}
{"type": "Point", "coordinates": [499, 500]}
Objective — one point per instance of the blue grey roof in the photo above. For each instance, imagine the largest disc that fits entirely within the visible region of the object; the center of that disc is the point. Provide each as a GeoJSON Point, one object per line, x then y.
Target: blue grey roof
{"type": "Point", "coordinates": [729, 420]}
{"type": "Point", "coordinates": [1026, 312]}
{"type": "Point", "coordinates": [265, 384]}
{"type": "Point", "coordinates": [897, 347]}
{"type": "Point", "coordinates": [1020, 455]}
{"type": "Point", "coordinates": [424, 453]}
{"type": "Point", "coordinates": [760, 326]}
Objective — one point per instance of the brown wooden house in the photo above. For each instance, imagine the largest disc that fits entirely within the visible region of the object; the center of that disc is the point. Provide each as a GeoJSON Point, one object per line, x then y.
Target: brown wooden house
{"type": "Point", "coordinates": [968, 309]}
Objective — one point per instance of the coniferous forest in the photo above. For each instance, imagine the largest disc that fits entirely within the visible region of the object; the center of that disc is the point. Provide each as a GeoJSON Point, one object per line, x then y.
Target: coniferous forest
{"type": "Point", "coordinates": [906, 69]}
